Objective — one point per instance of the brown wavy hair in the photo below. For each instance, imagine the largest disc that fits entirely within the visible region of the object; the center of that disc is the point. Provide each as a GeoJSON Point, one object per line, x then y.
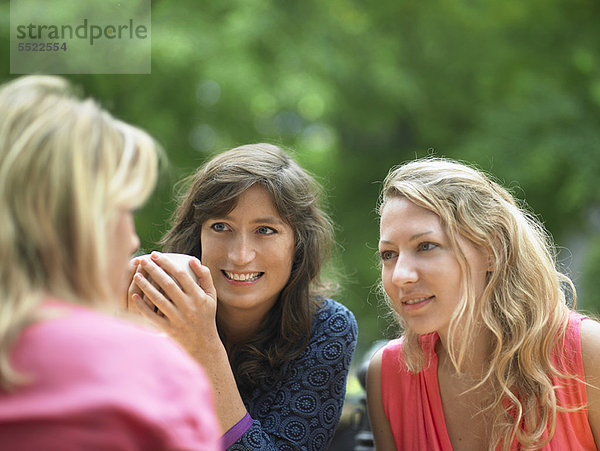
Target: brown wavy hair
{"type": "Point", "coordinates": [213, 192]}
{"type": "Point", "coordinates": [523, 304]}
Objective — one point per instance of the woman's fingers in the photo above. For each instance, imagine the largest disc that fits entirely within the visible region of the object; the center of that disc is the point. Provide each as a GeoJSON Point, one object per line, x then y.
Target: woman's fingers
{"type": "Point", "coordinates": [165, 275]}
{"type": "Point", "coordinates": [147, 310]}
{"type": "Point", "coordinates": [184, 279]}
{"type": "Point", "coordinates": [124, 298]}
{"type": "Point", "coordinates": [134, 289]}
{"type": "Point", "coordinates": [204, 278]}
{"type": "Point", "coordinates": [188, 306]}
{"type": "Point", "coordinates": [152, 297]}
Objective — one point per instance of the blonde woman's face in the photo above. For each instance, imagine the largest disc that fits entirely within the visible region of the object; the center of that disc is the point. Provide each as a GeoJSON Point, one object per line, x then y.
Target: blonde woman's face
{"type": "Point", "coordinates": [122, 242]}
{"type": "Point", "coordinates": [249, 253]}
{"type": "Point", "coordinates": [420, 271]}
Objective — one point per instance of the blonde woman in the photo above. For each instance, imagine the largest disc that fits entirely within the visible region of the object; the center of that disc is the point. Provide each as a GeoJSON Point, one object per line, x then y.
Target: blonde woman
{"type": "Point", "coordinates": [72, 377]}
{"type": "Point", "coordinates": [491, 356]}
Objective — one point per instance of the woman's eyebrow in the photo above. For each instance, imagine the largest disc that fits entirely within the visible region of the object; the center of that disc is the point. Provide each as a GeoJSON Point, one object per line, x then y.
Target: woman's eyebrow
{"type": "Point", "coordinates": [412, 238]}
{"type": "Point", "coordinates": [268, 220]}
{"type": "Point", "coordinates": [416, 236]}
{"type": "Point", "coordinates": [263, 220]}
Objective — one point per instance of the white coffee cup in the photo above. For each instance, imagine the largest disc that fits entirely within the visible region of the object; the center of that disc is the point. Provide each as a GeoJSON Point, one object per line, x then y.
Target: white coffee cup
{"type": "Point", "coordinates": [182, 261]}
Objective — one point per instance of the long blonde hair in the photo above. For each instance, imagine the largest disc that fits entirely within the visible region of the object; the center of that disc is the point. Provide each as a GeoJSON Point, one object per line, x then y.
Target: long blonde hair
{"type": "Point", "coordinates": [66, 167]}
{"type": "Point", "coordinates": [523, 304]}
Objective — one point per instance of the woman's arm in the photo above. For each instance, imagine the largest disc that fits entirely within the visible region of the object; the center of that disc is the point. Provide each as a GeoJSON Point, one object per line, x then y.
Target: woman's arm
{"type": "Point", "coordinates": [590, 346]}
{"type": "Point", "coordinates": [382, 433]}
{"type": "Point", "coordinates": [188, 316]}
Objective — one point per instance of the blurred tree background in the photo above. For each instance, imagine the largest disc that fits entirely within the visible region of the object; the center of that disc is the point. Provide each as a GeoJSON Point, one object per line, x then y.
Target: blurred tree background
{"type": "Point", "coordinates": [355, 88]}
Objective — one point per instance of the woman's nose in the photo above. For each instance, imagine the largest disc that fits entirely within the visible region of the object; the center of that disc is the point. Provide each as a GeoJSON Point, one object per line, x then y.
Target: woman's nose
{"type": "Point", "coordinates": [241, 250]}
{"type": "Point", "coordinates": [405, 271]}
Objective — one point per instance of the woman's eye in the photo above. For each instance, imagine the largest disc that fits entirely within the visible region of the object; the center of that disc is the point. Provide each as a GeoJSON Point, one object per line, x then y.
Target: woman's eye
{"type": "Point", "coordinates": [264, 230]}
{"type": "Point", "coordinates": [426, 246]}
{"type": "Point", "coordinates": [387, 255]}
{"type": "Point", "coordinates": [219, 227]}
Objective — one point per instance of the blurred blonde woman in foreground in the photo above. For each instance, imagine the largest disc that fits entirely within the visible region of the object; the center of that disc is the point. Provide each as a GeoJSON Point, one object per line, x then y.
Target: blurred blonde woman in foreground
{"type": "Point", "coordinates": [491, 356]}
{"type": "Point", "coordinates": [71, 377]}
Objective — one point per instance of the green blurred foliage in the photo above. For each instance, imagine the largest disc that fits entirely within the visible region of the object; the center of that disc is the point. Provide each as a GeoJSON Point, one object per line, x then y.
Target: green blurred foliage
{"type": "Point", "coordinates": [355, 88]}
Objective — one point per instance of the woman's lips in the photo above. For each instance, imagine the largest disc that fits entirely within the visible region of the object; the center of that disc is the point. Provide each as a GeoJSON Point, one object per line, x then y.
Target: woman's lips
{"type": "Point", "coordinates": [246, 277]}
{"type": "Point", "coordinates": [417, 303]}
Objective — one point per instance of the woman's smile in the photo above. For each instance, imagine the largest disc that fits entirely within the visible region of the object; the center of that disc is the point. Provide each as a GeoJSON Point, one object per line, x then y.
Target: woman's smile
{"type": "Point", "coordinates": [416, 303]}
{"type": "Point", "coordinates": [242, 277]}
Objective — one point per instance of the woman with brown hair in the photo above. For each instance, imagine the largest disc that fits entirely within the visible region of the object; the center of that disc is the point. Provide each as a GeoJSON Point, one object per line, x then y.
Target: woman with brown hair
{"type": "Point", "coordinates": [276, 349]}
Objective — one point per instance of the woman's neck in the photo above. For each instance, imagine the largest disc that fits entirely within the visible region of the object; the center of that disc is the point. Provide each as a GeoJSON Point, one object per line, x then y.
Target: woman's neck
{"type": "Point", "coordinates": [237, 326]}
{"type": "Point", "coordinates": [475, 362]}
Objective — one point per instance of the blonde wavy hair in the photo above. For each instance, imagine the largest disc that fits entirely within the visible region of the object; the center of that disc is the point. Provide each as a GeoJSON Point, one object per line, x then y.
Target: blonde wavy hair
{"type": "Point", "coordinates": [523, 304]}
{"type": "Point", "coordinates": [66, 167]}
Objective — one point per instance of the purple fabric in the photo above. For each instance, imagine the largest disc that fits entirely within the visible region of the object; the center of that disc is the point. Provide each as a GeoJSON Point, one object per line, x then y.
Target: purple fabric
{"type": "Point", "coordinates": [236, 431]}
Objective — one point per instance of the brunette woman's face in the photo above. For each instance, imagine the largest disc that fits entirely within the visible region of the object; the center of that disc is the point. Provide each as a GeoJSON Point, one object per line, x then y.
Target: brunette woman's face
{"type": "Point", "coordinates": [249, 253]}
{"type": "Point", "coordinates": [420, 271]}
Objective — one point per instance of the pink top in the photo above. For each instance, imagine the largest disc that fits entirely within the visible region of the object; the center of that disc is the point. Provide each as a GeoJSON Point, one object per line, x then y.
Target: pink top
{"type": "Point", "coordinates": [103, 384]}
{"type": "Point", "coordinates": [413, 406]}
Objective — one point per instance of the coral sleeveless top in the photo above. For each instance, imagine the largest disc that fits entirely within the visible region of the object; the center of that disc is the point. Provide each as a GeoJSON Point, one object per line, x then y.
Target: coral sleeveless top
{"type": "Point", "coordinates": [413, 405]}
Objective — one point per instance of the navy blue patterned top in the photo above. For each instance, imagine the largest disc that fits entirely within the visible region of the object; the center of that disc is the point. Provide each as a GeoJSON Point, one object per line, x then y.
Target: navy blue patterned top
{"type": "Point", "coordinates": [299, 408]}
